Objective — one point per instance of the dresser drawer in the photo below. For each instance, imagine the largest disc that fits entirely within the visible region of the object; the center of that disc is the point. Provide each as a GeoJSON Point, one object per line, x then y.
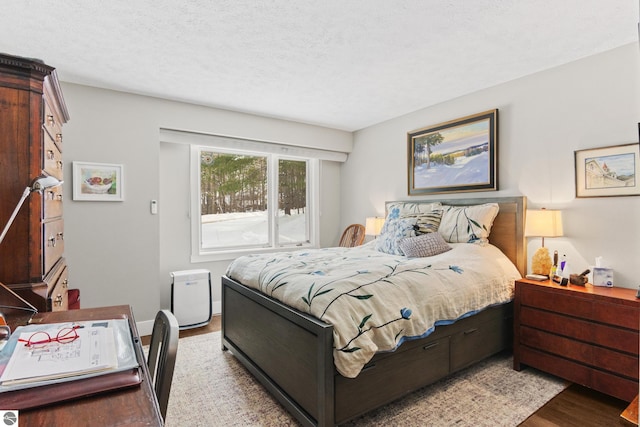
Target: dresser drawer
{"type": "Point", "coordinates": [617, 314]}
{"type": "Point", "coordinates": [569, 304]}
{"type": "Point", "coordinates": [577, 305]}
{"type": "Point", "coordinates": [53, 235]}
{"type": "Point", "coordinates": [58, 298]}
{"type": "Point", "coordinates": [52, 202]}
{"type": "Point", "coordinates": [587, 335]}
{"type": "Point", "coordinates": [391, 376]}
{"type": "Point", "coordinates": [561, 346]}
{"type": "Point", "coordinates": [52, 158]}
{"type": "Point", "coordinates": [618, 363]}
{"type": "Point", "coordinates": [52, 125]}
{"type": "Point", "coordinates": [609, 336]}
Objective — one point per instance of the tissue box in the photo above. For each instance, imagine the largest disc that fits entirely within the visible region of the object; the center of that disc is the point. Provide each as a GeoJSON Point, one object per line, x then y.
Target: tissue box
{"type": "Point", "coordinates": [603, 277]}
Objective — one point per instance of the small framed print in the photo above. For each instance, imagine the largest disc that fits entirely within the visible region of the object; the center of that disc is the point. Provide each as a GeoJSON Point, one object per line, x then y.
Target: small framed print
{"type": "Point", "coordinates": [98, 182]}
{"type": "Point", "coordinates": [608, 171]}
{"type": "Point", "coordinates": [456, 156]}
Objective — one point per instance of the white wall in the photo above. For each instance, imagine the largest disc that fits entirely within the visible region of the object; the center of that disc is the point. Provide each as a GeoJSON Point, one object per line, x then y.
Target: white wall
{"type": "Point", "coordinates": [117, 252]}
{"type": "Point", "coordinates": [543, 119]}
{"type": "Point", "coordinates": [175, 226]}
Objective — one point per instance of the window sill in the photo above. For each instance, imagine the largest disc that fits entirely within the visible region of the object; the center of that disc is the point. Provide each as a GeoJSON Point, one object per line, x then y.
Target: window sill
{"type": "Point", "coordinates": [229, 255]}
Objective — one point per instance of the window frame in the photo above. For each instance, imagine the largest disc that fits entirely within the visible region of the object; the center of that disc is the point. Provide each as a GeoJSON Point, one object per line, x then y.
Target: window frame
{"type": "Point", "coordinates": [200, 254]}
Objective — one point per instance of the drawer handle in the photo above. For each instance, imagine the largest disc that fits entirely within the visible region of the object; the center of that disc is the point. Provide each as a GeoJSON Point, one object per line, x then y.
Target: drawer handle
{"type": "Point", "coordinates": [58, 137]}
{"type": "Point", "coordinates": [470, 331]}
{"type": "Point", "coordinates": [59, 197]}
{"type": "Point", "coordinates": [60, 164]}
{"type": "Point", "coordinates": [50, 119]}
{"type": "Point", "coordinates": [52, 241]}
{"type": "Point", "coordinates": [430, 346]}
{"type": "Point", "coordinates": [50, 155]}
{"type": "Point", "coordinates": [65, 283]}
{"type": "Point", "coordinates": [58, 300]}
{"type": "Point", "coordinates": [60, 236]}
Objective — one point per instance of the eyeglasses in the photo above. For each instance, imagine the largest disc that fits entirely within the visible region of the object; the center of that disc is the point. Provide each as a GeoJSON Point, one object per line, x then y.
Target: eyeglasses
{"type": "Point", "coordinates": [41, 338]}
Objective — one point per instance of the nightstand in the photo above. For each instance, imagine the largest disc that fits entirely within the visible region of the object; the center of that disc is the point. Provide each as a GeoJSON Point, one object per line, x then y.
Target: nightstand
{"type": "Point", "coordinates": [585, 334]}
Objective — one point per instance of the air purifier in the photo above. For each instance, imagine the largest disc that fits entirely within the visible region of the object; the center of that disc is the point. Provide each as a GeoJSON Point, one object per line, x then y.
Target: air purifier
{"type": "Point", "coordinates": [191, 297]}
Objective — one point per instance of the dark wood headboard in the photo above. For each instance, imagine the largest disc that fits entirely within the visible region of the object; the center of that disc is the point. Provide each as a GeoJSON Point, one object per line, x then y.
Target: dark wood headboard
{"type": "Point", "coordinates": [507, 232]}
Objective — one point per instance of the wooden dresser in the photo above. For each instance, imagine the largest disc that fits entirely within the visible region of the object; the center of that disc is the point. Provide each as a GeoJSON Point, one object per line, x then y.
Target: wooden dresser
{"type": "Point", "coordinates": [32, 112]}
{"type": "Point", "coordinates": [587, 335]}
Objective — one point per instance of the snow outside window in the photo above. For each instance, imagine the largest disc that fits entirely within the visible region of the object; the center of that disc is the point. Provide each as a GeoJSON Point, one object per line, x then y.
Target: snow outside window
{"type": "Point", "coordinates": [250, 202]}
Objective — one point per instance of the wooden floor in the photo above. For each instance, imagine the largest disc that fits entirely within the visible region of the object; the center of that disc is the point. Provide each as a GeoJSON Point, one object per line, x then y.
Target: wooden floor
{"type": "Point", "coordinates": [576, 406]}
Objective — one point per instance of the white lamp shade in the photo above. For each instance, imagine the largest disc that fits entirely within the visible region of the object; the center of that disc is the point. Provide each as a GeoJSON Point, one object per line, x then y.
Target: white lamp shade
{"type": "Point", "coordinates": [543, 223]}
{"type": "Point", "coordinates": [373, 226]}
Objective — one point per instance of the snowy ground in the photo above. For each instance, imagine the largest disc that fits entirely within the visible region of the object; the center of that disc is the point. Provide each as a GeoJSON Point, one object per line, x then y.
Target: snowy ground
{"type": "Point", "coordinates": [466, 170]}
{"type": "Point", "coordinates": [249, 228]}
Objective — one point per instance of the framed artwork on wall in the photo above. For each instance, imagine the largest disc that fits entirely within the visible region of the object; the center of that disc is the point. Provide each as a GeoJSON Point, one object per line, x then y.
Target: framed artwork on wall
{"type": "Point", "coordinates": [456, 156]}
{"type": "Point", "coordinates": [98, 182]}
{"type": "Point", "coordinates": [608, 171]}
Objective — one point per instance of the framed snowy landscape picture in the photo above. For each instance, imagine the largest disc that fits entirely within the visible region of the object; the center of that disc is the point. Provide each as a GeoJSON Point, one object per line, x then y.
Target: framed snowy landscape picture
{"type": "Point", "coordinates": [456, 156]}
{"type": "Point", "coordinates": [607, 171]}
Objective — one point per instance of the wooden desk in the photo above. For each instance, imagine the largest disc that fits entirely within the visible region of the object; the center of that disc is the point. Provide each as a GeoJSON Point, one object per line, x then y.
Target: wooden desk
{"type": "Point", "coordinates": [135, 406]}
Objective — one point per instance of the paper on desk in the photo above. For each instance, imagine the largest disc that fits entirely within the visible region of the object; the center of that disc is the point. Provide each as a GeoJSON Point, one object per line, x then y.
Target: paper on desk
{"type": "Point", "coordinates": [93, 351]}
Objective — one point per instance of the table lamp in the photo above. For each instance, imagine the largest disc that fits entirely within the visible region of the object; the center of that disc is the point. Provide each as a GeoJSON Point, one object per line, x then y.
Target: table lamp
{"type": "Point", "coordinates": [543, 223]}
{"type": "Point", "coordinates": [38, 185]}
{"type": "Point", "coordinates": [373, 226]}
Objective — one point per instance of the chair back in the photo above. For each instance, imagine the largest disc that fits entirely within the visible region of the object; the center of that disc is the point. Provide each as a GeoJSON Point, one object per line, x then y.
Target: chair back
{"type": "Point", "coordinates": [162, 355]}
{"type": "Point", "coordinates": [352, 236]}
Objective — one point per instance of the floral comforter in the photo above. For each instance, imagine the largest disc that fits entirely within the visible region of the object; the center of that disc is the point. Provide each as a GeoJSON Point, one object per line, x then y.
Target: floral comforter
{"type": "Point", "coordinates": [374, 300]}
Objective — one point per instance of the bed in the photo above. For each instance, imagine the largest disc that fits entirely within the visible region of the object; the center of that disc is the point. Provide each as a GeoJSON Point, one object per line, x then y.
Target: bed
{"type": "Point", "coordinates": [308, 366]}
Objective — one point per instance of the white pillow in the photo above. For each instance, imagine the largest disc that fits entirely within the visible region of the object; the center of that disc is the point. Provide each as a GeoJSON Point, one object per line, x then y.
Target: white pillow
{"type": "Point", "coordinates": [405, 208]}
{"type": "Point", "coordinates": [468, 224]}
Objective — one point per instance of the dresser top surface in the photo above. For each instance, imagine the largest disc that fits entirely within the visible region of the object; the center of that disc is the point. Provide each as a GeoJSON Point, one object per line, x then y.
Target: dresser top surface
{"type": "Point", "coordinates": [597, 292]}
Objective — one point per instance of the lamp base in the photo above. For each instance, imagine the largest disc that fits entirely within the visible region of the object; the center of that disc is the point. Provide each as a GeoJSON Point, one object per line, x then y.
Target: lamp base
{"type": "Point", "coordinates": [541, 262]}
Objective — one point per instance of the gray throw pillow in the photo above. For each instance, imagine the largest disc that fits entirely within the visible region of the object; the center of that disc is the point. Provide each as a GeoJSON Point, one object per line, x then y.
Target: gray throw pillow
{"type": "Point", "coordinates": [424, 245]}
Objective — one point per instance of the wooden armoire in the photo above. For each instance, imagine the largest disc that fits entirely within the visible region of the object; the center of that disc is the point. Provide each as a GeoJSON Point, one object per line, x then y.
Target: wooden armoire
{"type": "Point", "coordinates": [32, 112]}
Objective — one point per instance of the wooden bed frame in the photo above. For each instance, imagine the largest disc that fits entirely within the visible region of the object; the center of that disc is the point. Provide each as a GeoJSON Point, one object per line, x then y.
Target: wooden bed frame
{"type": "Point", "coordinates": [291, 354]}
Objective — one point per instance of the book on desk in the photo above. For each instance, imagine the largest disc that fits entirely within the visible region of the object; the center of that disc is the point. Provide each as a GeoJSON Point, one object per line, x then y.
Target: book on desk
{"type": "Point", "coordinates": [40, 367]}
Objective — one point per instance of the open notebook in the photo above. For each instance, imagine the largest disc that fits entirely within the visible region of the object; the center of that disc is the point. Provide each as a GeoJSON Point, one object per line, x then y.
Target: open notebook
{"type": "Point", "coordinates": [109, 361]}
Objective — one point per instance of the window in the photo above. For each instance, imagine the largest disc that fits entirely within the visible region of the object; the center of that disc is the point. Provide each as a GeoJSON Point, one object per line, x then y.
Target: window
{"type": "Point", "coordinates": [250, 201]}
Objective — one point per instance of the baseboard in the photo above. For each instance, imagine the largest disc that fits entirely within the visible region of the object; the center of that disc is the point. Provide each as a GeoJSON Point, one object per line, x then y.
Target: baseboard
{"type": "Point", "coordinates": [146, 326]}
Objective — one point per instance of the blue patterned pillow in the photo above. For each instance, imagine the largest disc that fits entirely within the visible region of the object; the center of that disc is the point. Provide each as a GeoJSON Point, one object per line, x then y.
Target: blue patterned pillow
{"type": "Point", "coordinates": [393, 230]}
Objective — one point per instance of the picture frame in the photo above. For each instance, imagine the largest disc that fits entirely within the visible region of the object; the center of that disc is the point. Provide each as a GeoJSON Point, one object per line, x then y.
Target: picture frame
{"type": "Point", "coordinates": [607, 171]}
{"type": "Point", "coordinates": [460, 155]}
{"type": "Point", "coordinates": [98, 182]}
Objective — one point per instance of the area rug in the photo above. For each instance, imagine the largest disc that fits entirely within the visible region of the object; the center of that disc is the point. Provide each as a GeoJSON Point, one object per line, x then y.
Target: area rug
{"type": "Point", "coordinates": [211, 388]}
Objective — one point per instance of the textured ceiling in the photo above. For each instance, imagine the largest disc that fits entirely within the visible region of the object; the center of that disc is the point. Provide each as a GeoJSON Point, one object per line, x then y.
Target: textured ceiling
{"type": "Point", "coordinates": [345, 64]}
